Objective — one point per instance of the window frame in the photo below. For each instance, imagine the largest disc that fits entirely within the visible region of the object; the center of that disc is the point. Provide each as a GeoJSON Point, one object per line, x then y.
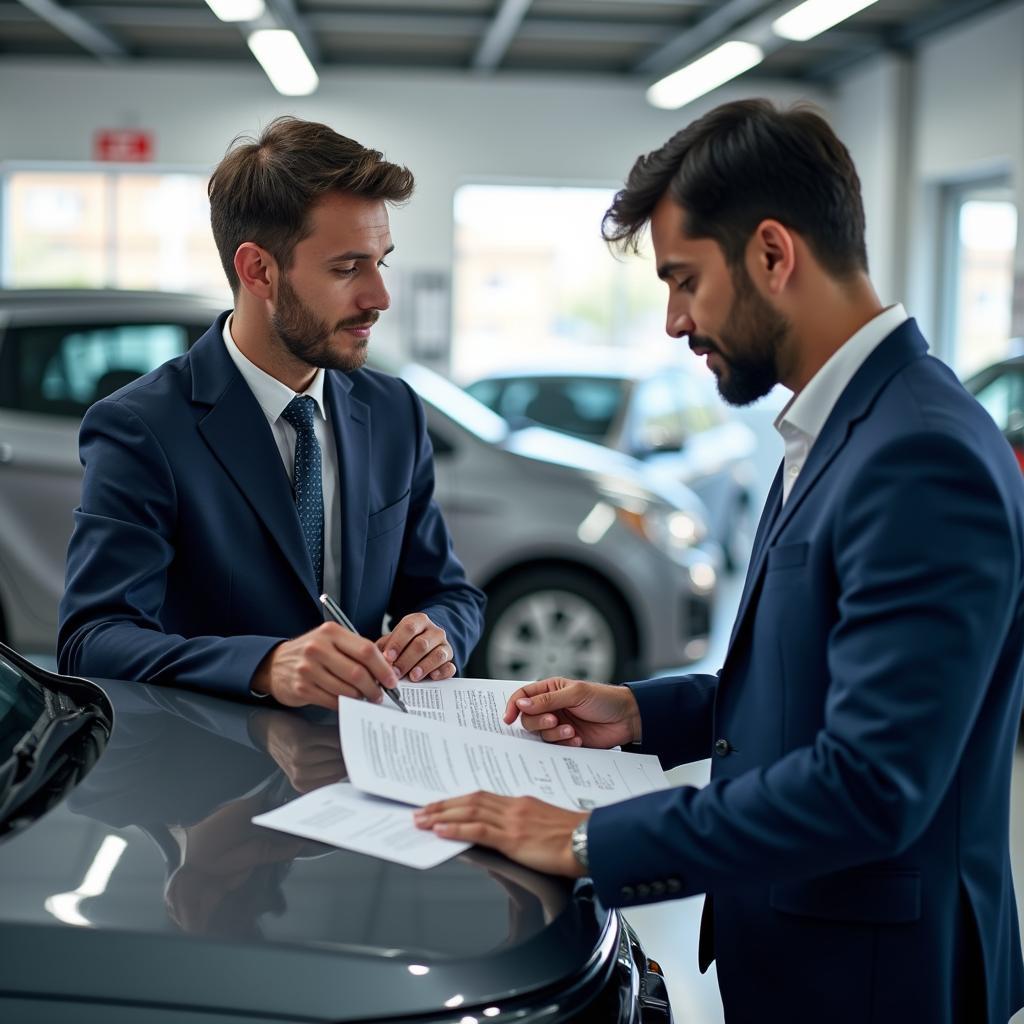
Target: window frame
{"type": "Point", "coordinates": [112, 171]}
{"type": "Point", "coordinates": [953, 196]}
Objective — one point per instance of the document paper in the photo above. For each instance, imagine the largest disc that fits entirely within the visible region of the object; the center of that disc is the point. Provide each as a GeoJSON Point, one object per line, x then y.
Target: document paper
{"type": "Point", "coordinates": [417, 761]}
{"type": "Point", "coordinates": [471, 703]}
{"type": "Point", "coordinates": [342, 816]}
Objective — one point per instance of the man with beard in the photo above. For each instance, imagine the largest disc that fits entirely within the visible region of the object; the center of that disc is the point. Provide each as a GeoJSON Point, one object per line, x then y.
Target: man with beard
{"type": "Point", "coordinates": [226, 490]}
{"type": "Point", "coordinates": [853, 840]}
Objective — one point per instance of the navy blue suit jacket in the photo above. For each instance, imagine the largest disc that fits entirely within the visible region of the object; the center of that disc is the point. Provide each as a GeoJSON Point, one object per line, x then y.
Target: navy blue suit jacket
{"type": "Point", "coordinates": [853, 839]}
{"type": "Point", "coordinates": [187, 563]}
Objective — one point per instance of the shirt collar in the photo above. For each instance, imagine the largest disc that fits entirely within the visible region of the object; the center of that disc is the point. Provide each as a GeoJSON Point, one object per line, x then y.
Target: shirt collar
{"type": "Point", "coordinates": [272, 395]}
{"type": "Point", "coordinates": [806, 412]}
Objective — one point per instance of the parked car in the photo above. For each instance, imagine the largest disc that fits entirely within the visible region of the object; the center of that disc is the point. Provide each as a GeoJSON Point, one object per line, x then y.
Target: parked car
{"type": "Point", "coordinates": [1000, 389]}
{"type": "Point", "coordinates": [134, 886]}
{"type": "Point", "coordinates": [591, 569]}
{"type": "Point", "coordinates": [661, 413]}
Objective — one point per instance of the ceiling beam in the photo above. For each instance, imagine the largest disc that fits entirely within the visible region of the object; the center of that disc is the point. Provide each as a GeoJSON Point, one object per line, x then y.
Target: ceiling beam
{"type": "Point", "coordinates": [78, 29]}
{"type": "Point", "coordinates": [702, 34]}
{"type": "Point", "coordinates": [499, 36]}
{"type": "Point", "coordinates": [898, 38]}
{"type": "Point", "coordinates": [456, 26]}
{"type": "Point", "coordinates": [938, 19]}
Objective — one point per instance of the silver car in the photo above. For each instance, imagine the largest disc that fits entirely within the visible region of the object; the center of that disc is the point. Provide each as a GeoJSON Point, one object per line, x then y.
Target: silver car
{"type": "Point", "coordinates": [660, 411]}
{"type": "Point", "coordinates": [591, 569]}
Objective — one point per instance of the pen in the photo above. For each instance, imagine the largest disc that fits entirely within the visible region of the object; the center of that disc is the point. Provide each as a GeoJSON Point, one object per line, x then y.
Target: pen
{"type": "Point", "coordinates": [340, 617]}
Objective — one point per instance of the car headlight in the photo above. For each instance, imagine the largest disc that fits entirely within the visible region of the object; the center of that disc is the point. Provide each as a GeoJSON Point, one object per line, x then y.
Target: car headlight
{"type": "Point", "coordinates": [673, 531]}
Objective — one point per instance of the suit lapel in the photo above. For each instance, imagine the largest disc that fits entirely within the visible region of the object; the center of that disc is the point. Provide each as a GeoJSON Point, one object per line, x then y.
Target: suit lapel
{"type": "Point", "coordinates": [757, 551]}
{"type": "Point", "coordinates": [350, 422]}
{"type": "Point", "coordinates": [892, 354]}
{"type": "Point", "coordinates": [237, 432]}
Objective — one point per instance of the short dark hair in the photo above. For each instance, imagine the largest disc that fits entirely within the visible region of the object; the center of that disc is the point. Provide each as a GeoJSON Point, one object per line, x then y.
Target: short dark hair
{"type": "Point", "coordinates": [263, 190]}
{"type": "Point", "coordinates": [741, 163]}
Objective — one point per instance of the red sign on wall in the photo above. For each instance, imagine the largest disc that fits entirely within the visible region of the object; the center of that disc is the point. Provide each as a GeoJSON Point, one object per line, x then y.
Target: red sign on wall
{"type": "Point", "coordinates": [123, 146]}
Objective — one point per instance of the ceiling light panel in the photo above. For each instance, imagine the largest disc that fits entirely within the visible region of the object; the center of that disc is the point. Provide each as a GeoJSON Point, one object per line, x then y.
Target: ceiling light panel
{"type": "Point", "coordinates": [706, 73]}
{"type": "Point", "coordinates": [813, 17]}
{"type": "Point", "coordinates": [281, 56]}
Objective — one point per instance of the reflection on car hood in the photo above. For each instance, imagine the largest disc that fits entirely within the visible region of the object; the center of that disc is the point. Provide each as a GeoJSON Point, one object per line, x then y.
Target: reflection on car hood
{"type": "Point", "coordinates": [150, 882]}
{"type": "Point", "coordinates": [610, 468]}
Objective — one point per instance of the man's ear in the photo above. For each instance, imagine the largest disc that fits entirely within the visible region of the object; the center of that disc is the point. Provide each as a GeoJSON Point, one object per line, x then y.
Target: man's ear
{"type": "Point", "coordinates": [771, 256]}
{"type": "Point", "coordinates": [256, 270]}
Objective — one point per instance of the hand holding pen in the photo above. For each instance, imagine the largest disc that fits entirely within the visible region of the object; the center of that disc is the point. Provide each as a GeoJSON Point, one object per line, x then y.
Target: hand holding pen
{"type": "Point", "coordinates": [321, 665]}
{"type": "Point", "coordinates": [334, 609]}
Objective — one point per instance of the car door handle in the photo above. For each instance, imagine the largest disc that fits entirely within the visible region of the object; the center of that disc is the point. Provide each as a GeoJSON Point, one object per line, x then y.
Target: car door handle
{"type": "Point", "coordinates": [6, 452]}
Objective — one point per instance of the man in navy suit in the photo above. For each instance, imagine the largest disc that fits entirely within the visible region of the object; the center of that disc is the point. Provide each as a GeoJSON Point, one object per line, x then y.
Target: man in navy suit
{"type": "Point", "coordinates": [228, 488]}
{"type": "Point", "coordinates": [853, 840]}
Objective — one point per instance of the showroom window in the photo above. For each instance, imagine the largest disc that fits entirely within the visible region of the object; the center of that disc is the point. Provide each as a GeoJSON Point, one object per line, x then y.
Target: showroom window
{"type": "Point", "coordinates": [533, 279]}
{"type": "Point", "coordinates": [978, 297]}
{"type": "Point", "coordinates": [89, 227]}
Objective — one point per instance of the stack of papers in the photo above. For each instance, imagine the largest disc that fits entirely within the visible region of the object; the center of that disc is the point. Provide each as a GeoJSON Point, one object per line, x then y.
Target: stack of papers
{"type": "Point", "coordinates": [451, 743]}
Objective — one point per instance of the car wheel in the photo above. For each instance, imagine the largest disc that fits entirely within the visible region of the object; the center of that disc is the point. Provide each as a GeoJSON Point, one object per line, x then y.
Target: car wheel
{"type": "Point", "coordinates": [553, 622]}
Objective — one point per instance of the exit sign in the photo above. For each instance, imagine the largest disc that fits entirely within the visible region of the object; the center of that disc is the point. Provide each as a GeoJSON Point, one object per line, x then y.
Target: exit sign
{"type": "Point", "coordinates": [123, 146]}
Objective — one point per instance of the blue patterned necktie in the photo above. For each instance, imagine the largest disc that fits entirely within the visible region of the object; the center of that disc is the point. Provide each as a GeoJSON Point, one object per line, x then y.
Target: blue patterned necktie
{"type": "Point", "coordinates": [308, 486]}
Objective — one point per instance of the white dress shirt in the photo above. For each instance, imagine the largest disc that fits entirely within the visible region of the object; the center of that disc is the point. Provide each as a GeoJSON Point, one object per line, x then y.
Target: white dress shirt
{"type": "Point", "coordinates": [273, 397]}
{"type": "Point", "coordinates": [804, 415]}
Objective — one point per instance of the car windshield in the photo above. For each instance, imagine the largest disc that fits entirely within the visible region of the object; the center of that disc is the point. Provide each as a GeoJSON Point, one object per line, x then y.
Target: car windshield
{"type": "Point", "coordinates": [583, 406]}
{"type": "Point", "coordinates": [450, 399]}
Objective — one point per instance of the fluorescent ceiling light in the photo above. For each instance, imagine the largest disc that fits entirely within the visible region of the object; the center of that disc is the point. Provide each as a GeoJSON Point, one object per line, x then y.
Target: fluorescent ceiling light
{"type": "Point", "coordinates": [704, 74]}
{"type": "Point", "coordinates": [281, 55]}
{"type": "Point", "coordinates": [237, 10]}
{"type": "Point", "coordinates": [814, 16]}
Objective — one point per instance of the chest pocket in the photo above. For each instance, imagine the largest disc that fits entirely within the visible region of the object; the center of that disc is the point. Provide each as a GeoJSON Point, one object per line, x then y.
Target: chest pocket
{"type": "Point", "coordinates": [388, 518]}
{"type": "Point", "coordinates": [785, 564]}
{"type": "Point", "coordinates": [787, 556]}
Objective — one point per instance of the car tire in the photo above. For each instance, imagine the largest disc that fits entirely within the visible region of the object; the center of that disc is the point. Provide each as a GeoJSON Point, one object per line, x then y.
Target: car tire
{"type": "Point", "coordinates": [554, 621]}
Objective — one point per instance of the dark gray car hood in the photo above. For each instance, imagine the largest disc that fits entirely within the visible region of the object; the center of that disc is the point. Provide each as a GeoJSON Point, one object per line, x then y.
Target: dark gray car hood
{"type": "Point", "coordinates": [149, 883]}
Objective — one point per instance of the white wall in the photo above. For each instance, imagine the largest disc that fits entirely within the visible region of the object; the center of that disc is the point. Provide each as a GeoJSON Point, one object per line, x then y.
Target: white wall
{"type": "Point", "coordinates": [449, 128]}
{"type": "Point", "coordinates": [951, 113]}
{"type": "Point", "coordinates": [969, 123]}
{"type": "Point", "coordinates": [870, 115]}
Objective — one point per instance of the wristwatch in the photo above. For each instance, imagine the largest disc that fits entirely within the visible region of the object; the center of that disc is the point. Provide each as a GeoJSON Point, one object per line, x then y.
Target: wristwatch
{"type": "Point", "coordinates": [579, 844]}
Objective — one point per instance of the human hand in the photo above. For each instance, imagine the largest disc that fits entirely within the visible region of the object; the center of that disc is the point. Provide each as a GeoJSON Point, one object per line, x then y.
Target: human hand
{"type": "Point", "coordinates": [321, 665]}
{"type": "Point", "coordinates": [418, 648]}
{"type": "Point", "coordinates": [525, 829]}
{"type": "Point", "coordinates": [308, 753]}
{"type": "Point", "coordinates": [576, 714]}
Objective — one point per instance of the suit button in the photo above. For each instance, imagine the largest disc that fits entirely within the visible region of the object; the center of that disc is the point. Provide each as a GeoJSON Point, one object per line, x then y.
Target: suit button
{"type": "Point", "coordinates": [627, 892]}
{"type": "Point", "coordinates": [722, 747]}
{"type": "Point", "coordinates": [658, 888]}
{"type": "Point", "coordinates": [643, 891]}
{"type": "Point", "coordinates": [674, 885]}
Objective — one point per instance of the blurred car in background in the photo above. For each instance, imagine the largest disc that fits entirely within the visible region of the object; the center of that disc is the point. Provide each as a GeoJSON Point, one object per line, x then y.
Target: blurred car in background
{"type": "Point", "coordinates": [1000, 389]}
{"type": "Point", "coordinates": [591, 569]}
{"type": "Point", "coordinates": [661, 413]}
